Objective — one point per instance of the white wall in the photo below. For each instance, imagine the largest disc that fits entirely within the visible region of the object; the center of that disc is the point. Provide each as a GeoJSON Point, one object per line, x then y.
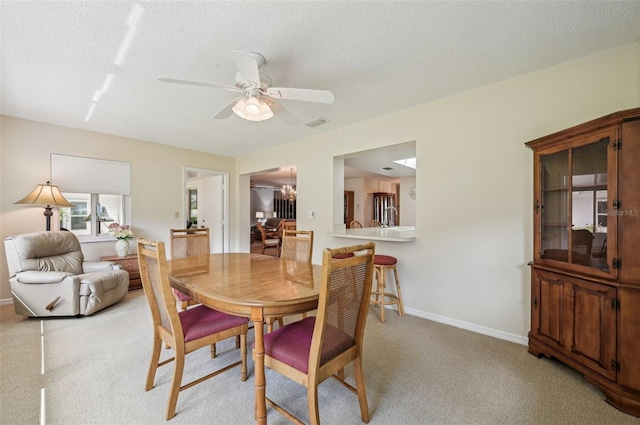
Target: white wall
{"type": "Point", "coordinates": [156, 180]}
{"type": "Point", "coordinates": [468, 264]}
{"type": "Point", "coordinates": [262, 200]}
{"type": "Point", "coordinates": [407, 205]}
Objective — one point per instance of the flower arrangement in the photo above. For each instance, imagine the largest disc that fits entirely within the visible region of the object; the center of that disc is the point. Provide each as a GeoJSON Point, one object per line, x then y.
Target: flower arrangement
{"type": "Point", "coordinates": [121, 231]}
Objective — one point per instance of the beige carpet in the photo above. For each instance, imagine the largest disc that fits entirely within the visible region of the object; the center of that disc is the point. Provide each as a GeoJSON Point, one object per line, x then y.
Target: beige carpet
{"type": "Point", "coordinates": [416, 371]}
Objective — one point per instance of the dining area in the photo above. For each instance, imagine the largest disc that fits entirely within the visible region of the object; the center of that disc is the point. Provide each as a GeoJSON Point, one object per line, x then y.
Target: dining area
{"type": "Point", "coordinates": [325, 307]}
{"type": "Point", "coordinates": [415, 370]}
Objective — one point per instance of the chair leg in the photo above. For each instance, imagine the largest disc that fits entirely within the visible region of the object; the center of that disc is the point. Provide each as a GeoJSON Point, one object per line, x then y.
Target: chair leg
{"type": "Point", "coordinates": [213, 350]}
{"type": "Point", "coordinates": [312, 401]}
{"type": "Point", "coordinates": [362, 391]}
{"type": "Point", "coordinates": [176, 382]}
{"type": "Point", "coordinates": [153, 365]}
{"type": "Point", "coordinates": [400, 305]}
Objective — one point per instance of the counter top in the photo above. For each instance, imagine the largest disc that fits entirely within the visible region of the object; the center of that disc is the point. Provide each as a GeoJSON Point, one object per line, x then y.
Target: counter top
{"type": "Point", "coordinates": [389, 234]}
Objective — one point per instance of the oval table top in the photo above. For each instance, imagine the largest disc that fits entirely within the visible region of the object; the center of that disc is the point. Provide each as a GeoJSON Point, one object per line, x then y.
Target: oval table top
{"type": "Point", "coordinates": [236, 282]}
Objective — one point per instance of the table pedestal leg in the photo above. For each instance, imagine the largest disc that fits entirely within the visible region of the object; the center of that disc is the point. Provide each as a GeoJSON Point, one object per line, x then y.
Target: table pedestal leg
{"type": "Point", "coordinates": [260, 382]}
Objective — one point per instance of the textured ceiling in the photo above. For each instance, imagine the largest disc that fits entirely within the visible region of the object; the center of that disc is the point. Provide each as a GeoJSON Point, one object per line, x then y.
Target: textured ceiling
{"type": "Point", "coordinates": [60, 58]}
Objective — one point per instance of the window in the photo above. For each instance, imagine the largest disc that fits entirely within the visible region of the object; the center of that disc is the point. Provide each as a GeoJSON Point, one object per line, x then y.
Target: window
{"type": "Point", "coordinates": [81, 219]}
{"type": "Point", "coordinates": [99, 190]}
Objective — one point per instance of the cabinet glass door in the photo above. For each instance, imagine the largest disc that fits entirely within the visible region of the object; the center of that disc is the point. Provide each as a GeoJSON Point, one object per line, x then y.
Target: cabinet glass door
{"type": "Point", "coordinates": [588, 195]}
{"type": "Point", "coordinates": [574, 213]}
{"type": "Point", "coordinates": [555, 206]}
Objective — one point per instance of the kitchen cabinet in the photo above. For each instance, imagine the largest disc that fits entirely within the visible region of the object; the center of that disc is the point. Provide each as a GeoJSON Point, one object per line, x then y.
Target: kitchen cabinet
{"type": "Point", "coordinates": [585, 278]}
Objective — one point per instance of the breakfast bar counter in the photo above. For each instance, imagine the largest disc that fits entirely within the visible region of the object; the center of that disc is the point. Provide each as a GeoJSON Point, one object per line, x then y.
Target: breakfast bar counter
{"type": "Point", "coordinates": [389, 234]}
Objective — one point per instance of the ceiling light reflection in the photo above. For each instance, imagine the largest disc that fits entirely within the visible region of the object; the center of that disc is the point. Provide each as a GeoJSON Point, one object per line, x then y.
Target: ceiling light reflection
{"type": "Point", "coordinates": [132, 22]}
{"type": "Point", "coordinates": [408, 162]}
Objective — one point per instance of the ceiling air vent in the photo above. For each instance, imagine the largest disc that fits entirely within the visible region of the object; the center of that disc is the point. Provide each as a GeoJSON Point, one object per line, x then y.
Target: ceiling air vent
{"type": "Point", "coordinates": [316, 122]}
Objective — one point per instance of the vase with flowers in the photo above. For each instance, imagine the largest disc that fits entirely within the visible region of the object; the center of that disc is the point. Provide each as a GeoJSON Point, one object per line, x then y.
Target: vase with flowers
{"type": "Point", "coordinates": [123, 233]}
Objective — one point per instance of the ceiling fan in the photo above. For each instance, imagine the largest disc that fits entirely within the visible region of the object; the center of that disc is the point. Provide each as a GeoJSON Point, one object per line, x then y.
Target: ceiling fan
{"type": "Point", "coordinates": [259, 100]}
{"type": "Point", "coordinates": [253, 186]}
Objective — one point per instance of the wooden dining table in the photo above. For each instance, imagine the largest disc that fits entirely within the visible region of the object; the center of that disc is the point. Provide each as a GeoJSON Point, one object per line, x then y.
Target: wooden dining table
{"type": "Point", "coordinates": [253, 286]}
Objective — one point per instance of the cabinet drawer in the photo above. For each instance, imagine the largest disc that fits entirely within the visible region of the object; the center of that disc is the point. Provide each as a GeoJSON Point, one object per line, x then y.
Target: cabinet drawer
{"type": "Point", "coordinates": [129, 265]}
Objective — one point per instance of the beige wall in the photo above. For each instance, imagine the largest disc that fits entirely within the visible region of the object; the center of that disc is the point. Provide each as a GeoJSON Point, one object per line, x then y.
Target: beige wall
{"type": "Point", "coordinates": [156, 179]}
{"type": "Point", "coordinates": [468, 264]}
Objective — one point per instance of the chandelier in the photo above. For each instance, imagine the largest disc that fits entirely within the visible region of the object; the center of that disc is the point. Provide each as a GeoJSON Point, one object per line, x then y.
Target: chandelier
{"type": "Point", "coordinates": [288, 191]}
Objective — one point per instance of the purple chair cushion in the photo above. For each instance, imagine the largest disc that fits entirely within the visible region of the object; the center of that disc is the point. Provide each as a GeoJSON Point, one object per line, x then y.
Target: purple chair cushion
{"type": "Point", "coordinates": [291, 344]}
{"type": "Point", "coordinates": [202, 321]}
{"type": "Point", "coordinates": [384, 260]}
{"type": "Point", "coordinates": [181, 295]}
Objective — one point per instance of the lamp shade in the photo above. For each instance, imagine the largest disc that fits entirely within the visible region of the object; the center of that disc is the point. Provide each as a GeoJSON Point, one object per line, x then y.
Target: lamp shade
{"type": "Point", "coordinates": [259, 214]}
{"type": "Point", "coordinates": [46, 194]}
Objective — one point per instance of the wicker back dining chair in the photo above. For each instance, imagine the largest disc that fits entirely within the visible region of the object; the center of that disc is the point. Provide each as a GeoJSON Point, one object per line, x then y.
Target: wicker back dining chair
{"type": "Point", "coordinates": [355, 224]}
{"type": "Point", "coordinates": [268, 242]}
{"type": "Point", "coordinates": [183, 331]}
{"type": "Point", "coordinates": [375, 223]}
{"type": "Point", "coordinates": [297, 245]}
{"type": "Point", "coordinates": [288, 225]}
{"type": "Point", "coordinates": [316, 348]}
{"type": "Point", "coordinates": [185, 243]}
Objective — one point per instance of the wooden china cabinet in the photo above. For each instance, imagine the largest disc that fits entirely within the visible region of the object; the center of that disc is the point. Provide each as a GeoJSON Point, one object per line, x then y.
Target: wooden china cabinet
{"type": "Point", "coordinates": [585, 278]}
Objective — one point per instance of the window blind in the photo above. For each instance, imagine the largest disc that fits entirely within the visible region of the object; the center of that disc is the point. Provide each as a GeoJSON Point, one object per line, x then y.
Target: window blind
{"type": "Point", "coordinates": [90, 175]}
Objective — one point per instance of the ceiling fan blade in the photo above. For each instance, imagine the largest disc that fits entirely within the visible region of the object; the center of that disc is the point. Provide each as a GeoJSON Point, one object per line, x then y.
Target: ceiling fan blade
{"type": "Point", "coordinates": [248, 64]}
{"type": "Point", "coordinates": [282, 113]}
{"type": "Point", "coordinates": [306, 95]}
{"type": "Point", "coordinates": [196, 83]}
{"type": "Point", "coordinates": [227, 110]}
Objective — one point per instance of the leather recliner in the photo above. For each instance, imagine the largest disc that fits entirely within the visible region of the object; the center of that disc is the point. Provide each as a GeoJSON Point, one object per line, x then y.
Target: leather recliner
{"type": "Point", "coordinates": [49, 277]}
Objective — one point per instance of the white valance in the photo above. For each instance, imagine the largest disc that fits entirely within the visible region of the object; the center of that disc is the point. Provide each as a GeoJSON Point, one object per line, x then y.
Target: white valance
{"type": "Point", "coordinates": [90, 175]}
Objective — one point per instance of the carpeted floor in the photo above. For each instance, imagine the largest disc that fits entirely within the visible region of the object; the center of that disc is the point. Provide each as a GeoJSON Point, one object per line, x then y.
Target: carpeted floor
{"type": "Point", "coordinates": [416, 372]}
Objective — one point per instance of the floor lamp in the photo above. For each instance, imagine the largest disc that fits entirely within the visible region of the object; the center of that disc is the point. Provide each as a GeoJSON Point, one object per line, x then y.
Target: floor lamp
{"type": "Point", "coordinates": [49, 196]}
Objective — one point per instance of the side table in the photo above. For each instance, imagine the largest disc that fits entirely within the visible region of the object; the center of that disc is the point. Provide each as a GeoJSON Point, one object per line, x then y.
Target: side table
{"type": "Point", "coordinates": [130, 264]}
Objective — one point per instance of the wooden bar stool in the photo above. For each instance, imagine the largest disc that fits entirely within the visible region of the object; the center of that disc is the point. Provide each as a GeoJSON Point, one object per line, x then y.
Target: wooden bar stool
{"type": "Point", "coordinates": [382, 265]}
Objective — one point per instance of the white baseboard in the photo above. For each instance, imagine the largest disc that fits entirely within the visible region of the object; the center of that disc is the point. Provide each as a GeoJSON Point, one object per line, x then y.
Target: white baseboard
{"type": "Point", "coordinates": [6, 301]}
{"type": "Point", "coordinates": [518, 339]}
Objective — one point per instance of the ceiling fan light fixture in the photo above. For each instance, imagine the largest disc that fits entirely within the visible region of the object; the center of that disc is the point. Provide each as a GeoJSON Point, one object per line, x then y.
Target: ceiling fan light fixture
{"type": "Point", "coordinates": [246, 109]}
{"type": "Point", "coordinates": [265, 111]}
{"type": "Point", "coordinates": [252, 107]}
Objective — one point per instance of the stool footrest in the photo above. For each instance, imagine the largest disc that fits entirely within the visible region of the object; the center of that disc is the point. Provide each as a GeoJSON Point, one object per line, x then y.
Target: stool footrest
{"type": "Point", "coordinates": [393, 299]}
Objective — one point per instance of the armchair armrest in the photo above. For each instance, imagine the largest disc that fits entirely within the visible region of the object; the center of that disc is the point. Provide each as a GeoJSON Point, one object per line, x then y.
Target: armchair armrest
{"type": "Point", "coordinates": [100, 266]}
{"type": "Point", "coordinates": [34, 276]}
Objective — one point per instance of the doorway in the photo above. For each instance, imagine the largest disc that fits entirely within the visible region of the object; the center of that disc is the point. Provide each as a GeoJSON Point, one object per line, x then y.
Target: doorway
{"type": "Point", "coordinates": [348, 206]}
{"type": "Point", "coordinates": [206, 204]}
